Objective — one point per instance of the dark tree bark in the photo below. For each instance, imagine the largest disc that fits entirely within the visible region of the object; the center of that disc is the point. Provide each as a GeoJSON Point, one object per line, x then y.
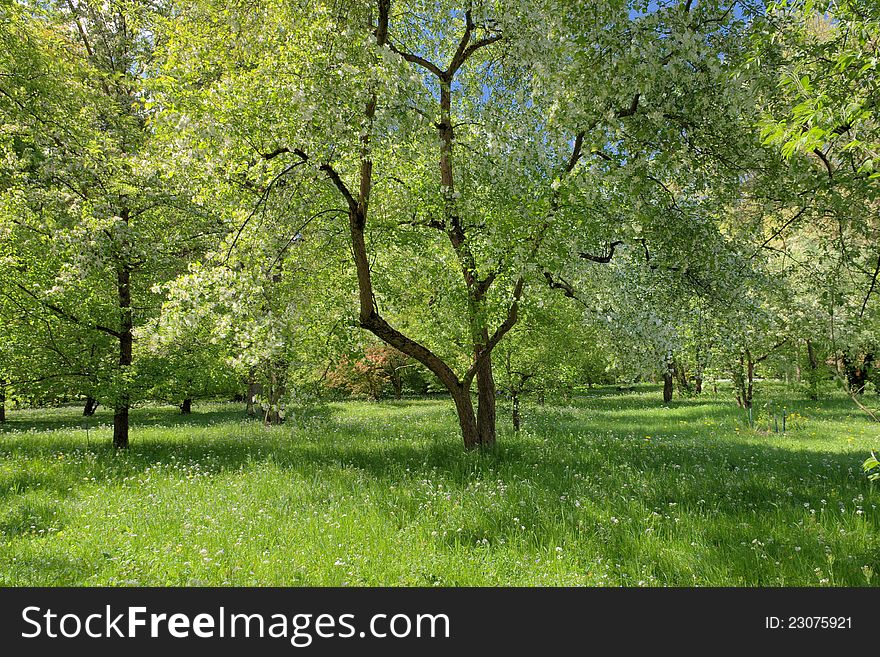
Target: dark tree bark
{"type": "Point", "coordinates": [667, 386]}
{"type": "Point", "coordinates": [467, 420]}
{"type": "Point", "coordinates": [744, 375]}
{"type": "Point", "coordinates": [120, 414]}
{"type": "Point", "coordinates": [396, 382]}
{"type": "Point", "coordinates": [126, 337]}
{"type": "Point", "coordinates": [698, 366]}
{"type": "Point", "coordinates": [739, 385]}
{"type": "Point", "coordinates": [668, 381]}
{"type": "Point", "coordinates": [186, 406]}
{"type": "Point", "coordinates": [856, 369]}
{"type": "Point", "coordinates": [750, 379]}
{"type": "Point", "coordinates": [90, 407]}
{"type": "Point", "coordinates": [516, 386]}
{"type": "Point", "coordinates": [486, 403]}
{"type": "Point", "coordinates": [2, 401]}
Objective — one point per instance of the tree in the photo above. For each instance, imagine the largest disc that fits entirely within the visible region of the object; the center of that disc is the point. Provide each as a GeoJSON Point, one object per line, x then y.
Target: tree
{"type": "Point", "coordinates": [484, 138]}
{"type": "Point", "coordinates": [555, 349]}
{"type": "Point", "coordinates": [380, 367]}
{"type": "Point", "coordinates": [83, 185]}
{"type": "Point", "coordinates": [826, 53]}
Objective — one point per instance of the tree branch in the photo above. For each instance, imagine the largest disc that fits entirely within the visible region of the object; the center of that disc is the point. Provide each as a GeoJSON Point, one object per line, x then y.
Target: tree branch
{"type": "Point", "coordinates": [761, 359]}
{"type": "Point", "coordinates": [603, 259]}
{"type": "Point", "coordinates": [870, 289]}
{"type": "Point", "coordinates": [825, 161]}
{"type": "Point", "coordinates": [500, 332]}
{"type": "Point", "coordinates": [561, 284]}
{"type": "Point", "coordinates": [263, 198]}
{"type": "Point", "coordinates": [632, 109]}
{"type": "Point", "coordinates": [66, 315]}
{"type": "Point", "coordinates": [339, 184]}
{"type": "Point", "coordinates": [576, 152]}
{"type": "Point", "coordinates": [273, 154]}
{"type": "Point", "coordinates": [415, 59]}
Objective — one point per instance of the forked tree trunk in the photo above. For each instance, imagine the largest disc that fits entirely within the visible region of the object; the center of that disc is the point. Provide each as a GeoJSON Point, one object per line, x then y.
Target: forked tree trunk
{"type": "Point", "coordinates": [681, 374]}
{"type": "Point", "coordinates": [477, 429]}
{"type": "Point", "coordinates": [743, 380]}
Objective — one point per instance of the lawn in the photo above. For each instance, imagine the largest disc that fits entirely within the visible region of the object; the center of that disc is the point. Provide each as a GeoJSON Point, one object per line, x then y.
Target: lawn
{"type": "Point", "coordinates": [610, 488]}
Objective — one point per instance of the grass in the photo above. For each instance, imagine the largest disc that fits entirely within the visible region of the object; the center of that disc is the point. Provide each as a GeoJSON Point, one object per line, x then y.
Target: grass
{"type": "Point", "coordinates": [607, 489]}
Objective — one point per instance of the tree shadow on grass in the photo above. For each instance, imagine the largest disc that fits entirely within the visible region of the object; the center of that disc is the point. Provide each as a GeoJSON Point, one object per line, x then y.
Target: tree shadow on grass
{"type": "Point", "coordinates": [71, 418]}
{"type": "Point", "coordinates": [28, 517]}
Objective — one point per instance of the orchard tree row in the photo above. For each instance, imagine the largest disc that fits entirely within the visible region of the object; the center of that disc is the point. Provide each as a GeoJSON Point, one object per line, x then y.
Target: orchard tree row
{"type": "Point", "coordinates": [289, 198]}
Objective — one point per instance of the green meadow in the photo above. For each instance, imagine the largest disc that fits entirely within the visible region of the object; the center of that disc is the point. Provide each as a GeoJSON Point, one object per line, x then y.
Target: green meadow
{"type": "Point", "coordinates": [609, 488]}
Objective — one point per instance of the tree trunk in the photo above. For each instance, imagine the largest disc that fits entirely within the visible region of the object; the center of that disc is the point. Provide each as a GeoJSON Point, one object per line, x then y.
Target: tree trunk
{"type": "Point", "coordinates": [186, 406]}
{"type": "Point", "coordinates": [123, 288]}
{"type": "Point", "coordinates": [2, 401]}
{"type": "Point", "coordinates": [739, 383]}
{"type": "Point", "coordinates": [750, 376]}
{"type": "Point", "coordinates": [474, 433]}
{"type": "Point", "coordinates": [517, 421]}
{"type": "Point", "coordinates": [681, 374]}
{"type": "Point", "coordinates": [486, 403]}
{"type": "Point", "coordinates": [464, 407]}
{"type": "Point", "coordinates": [668, 380]}
{"type": "Point", "coordinates": [857, 370]}
{"type": "Point", "coordinates": [397, 382]}
{"type": "Point", "coordinates": [253, 389]}
{"type": "Point", "coordinates": [90, 407]}
{"type": "Point", "coordinates": [274, 391]}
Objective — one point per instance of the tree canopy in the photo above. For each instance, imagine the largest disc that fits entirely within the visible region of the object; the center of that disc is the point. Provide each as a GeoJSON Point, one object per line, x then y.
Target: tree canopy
{"type": "Point", "coordinates": [204, 197]}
